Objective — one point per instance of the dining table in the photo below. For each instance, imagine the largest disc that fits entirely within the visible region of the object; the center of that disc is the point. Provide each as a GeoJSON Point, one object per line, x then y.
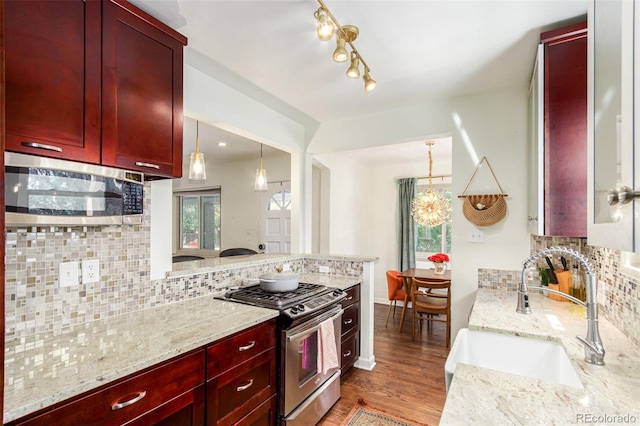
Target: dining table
{"type": "Point", "coordinates": [409, 274]}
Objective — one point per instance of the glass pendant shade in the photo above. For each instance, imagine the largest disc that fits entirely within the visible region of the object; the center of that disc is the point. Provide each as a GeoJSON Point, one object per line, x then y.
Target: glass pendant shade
{"type": "Point", "coordinates": [325, 27]}
{"type": "Point", "coordinates": [197, 170]}
{"type": "Point", "coordinates": [261, 180]}
{"type": "Point", "coordinates": [340, 54]}
{"type": "Point", "coordinates": [261, 176]}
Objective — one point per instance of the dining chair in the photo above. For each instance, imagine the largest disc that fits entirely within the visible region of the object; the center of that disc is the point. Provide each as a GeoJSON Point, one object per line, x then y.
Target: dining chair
{"type": "Point", "coordinates": [431, 305]}
{"type": "Point", "coordinates": [395, 292]}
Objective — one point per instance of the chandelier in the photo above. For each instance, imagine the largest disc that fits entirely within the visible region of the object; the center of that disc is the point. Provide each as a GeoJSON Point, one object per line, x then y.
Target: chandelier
{"type": "Point", "coordinates": [430, 208]}
{"type": "Point", "coordinates": [345, 34]}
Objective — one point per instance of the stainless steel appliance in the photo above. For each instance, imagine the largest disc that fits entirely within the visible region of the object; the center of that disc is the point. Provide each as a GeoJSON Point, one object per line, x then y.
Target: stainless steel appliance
{"type": "Point", "coordinates": [48, 191]}
{"type": "Point", "coordinates": [306, 392]}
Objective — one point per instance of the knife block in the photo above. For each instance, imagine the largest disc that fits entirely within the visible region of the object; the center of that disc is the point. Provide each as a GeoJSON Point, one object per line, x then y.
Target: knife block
{"type": "Point", "coordinates": [564, 284]}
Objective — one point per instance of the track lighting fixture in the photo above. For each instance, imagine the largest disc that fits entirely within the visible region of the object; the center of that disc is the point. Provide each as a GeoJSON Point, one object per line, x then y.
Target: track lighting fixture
{"type": "Point", "coordinates": [353, 71]}
{"type": "Point", "coordinates": [369, 83]}
{"type": "Point", "coordinates": [340, 54]}
{"type": "Point", "coordinates": [197, 169]}
{"type": "Point", "coordinates": [325, 26]}
{"type": "Point", "coordinates": [345, 34]}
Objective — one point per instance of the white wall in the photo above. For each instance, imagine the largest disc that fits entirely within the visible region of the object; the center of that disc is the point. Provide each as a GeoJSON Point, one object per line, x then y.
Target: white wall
{"type": "Point", "coordinates": [350, 205]}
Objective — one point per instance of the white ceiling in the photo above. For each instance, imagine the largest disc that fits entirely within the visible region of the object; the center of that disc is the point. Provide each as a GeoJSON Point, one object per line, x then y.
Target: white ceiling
{"type": "Point", "coordinates": [417, 50]}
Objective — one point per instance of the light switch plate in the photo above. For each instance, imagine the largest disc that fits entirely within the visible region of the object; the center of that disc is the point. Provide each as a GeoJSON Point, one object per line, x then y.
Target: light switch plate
{"type": "Point", "coordinates": [286, 267]}
{"type": "Point", "coordinates": [90, 271]}
{"type": "Point", "coordinates": [68, 274]}
{"type": "Point", "coordinates": [324, 269]}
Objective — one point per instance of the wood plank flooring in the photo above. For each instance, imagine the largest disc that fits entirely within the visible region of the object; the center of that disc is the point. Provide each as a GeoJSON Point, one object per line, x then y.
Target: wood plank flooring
{"type": "Point", "coordinates": [408, 379]}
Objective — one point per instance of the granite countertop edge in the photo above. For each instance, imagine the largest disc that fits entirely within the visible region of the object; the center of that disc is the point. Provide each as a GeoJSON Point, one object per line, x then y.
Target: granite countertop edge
{"type": "Point", "coordinates": [609, 393]}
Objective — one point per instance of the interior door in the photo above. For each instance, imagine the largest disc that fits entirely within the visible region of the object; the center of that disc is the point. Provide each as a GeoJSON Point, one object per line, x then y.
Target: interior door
{"type": "Point", "coordinates": [276, 218]}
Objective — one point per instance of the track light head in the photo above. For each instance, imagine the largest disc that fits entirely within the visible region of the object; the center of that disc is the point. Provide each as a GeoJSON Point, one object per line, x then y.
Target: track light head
{"type": "Point", "coordinates": [340, 54]}
{"type": "Point", "coordinates": [353, 71]}
{"type": "Point", "coordinates": [369, 83]}
{"type": "Point", "coordinates": [325, 26]}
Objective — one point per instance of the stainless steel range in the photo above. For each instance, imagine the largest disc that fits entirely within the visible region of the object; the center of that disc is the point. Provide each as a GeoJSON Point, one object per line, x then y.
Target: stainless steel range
{"type": "Point", "coordinates": [309, 381]}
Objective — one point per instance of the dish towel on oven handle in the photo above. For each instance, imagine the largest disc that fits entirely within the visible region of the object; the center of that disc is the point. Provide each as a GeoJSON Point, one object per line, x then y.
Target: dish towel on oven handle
{"type": "Point", "coordinates": [327, 351]}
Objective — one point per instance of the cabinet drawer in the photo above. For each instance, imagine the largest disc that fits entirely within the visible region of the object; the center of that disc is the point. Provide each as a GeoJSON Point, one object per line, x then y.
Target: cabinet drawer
{"type": "Point", "coordinates": [236, 392]}
{"type": "Point", "coordinates": [350, 318]}
{"type": "Point", "coordinates": [136, 395]}
{"type": "Point", "coordinates": [350, 352]}
{"type": "Point", "coordinates": [353, 296]}
{"type": "Point", "coordinates": [264, 415]}
{"type": "Point", "coordinates": [239, 348]}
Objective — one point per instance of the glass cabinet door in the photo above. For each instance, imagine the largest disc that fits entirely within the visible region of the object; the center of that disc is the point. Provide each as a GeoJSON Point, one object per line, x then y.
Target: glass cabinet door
{"type": "Point", "coordinates": [611, 122]}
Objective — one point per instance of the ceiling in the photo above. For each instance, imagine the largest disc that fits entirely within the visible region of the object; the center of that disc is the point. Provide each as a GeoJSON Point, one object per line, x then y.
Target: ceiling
{"type": "Point", "coordinates": [417, 50]}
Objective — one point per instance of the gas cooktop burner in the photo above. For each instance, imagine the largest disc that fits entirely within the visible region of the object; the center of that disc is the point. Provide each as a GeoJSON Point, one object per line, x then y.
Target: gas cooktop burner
{"type": "Point", "coordinates": [256, 295]}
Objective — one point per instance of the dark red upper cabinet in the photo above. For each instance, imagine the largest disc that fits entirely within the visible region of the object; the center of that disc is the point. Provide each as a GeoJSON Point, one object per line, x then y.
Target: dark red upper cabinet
{"type": "Point", "coordinates": [142, 73]}
{"type": "Point", "coordinates": [565, 131]}
{"type": "Point", "coordinates": [53, 78]}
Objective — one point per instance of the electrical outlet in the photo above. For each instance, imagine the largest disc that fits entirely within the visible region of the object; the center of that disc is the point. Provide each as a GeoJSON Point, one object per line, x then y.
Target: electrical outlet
{"type": "Point", "coordinates": [286, 267]}
{"type": "Point", "coordinates": [476, 236]}
{"type": "Point", "coordinates": [324, 269]}
{"type": "Point", "coordinates": [68, 274]}
{"type": "Point", "coordinates": [90, 271]}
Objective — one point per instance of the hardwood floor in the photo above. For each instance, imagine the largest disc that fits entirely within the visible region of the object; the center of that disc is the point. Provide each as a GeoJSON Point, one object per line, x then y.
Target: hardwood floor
{"type": "Point", "coordinates": [408, 379]}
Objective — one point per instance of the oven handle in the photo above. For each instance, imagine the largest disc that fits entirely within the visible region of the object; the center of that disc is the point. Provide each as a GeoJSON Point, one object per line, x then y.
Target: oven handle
{"type": "Point", "coordinates": [313, 325]}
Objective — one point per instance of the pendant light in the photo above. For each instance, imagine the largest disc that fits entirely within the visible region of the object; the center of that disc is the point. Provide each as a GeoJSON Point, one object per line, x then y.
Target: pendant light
{"type": "Point", "coordinates": [196, 161]}
{"type": "Point", "coordinates": [261, 176]}
{"type": "Point", "coordinates": [430, 208]}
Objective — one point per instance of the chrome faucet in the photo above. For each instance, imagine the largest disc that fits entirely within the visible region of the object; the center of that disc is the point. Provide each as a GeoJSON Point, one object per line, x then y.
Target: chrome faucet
{"type": "Point", "coordinates": [593, 349]}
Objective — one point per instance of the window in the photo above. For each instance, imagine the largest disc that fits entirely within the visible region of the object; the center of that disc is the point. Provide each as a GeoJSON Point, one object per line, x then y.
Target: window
{"type": "Point", "coordinates": [434, 239]}
{"type": "Point", "coordinates": [199, 219]}
{"type": "Point", "coordinates": [281, 200]}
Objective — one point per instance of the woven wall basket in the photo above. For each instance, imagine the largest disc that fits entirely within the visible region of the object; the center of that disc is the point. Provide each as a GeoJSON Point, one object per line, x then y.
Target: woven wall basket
{"type": "Point", "coordinates": [484, 209]}
{"type": "Point", "coordinates": [494, 211]}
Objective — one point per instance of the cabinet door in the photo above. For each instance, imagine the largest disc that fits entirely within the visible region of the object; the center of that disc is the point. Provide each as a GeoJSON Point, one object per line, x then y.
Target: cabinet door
{"type": "Point", "coordinates": [142, 92]}
{"type": "Point", "coordinates": [565, 131]}
{"type": "Point", "coordinates": [536, 147]}
{"type": "Point", "coordinates": [53, 78]}
{"type": "Point", "coordinates": [611, 122]}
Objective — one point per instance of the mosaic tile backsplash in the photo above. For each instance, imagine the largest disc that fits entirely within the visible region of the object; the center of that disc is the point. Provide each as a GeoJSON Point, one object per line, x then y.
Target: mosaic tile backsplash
{"type": "Point", "coordinates": [622, 306]}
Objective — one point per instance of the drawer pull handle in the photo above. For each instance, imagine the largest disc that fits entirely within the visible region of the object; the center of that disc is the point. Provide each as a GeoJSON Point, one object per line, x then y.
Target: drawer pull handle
{"type": "Point", "coordinates": [346, 354]}
{"type": "Point", "coordinates": [348, 298]}
{"type": "Point", "coordinates": [150, 165]}
{"type": "Point", "coordinates": [42, 146]}
{"type": "Point", "coordinates": [245, 387]}
{"type": "Point", "coordinates": [129, 402]}
{"type": "Point", "coordinates": [247, 347]}
{"type": "Point", "coordinates": [348, 321]}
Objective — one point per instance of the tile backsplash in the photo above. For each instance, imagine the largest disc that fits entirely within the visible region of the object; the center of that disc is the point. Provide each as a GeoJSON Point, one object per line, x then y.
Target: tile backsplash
{"type": "Point", "coordinates": [622, 305]}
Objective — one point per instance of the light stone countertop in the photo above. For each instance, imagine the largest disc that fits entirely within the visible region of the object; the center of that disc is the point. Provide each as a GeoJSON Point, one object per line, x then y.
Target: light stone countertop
{"type": "Point", "coordinates": [231, 262]}
{"type": "Point", "coordinates": [611, 393]}
{"type": "Point", "coordinates": [49, 370]}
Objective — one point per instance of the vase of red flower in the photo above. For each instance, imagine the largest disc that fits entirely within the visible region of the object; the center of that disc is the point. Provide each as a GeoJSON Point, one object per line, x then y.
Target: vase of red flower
{"type": "Point", "coordinates": [439, 265]}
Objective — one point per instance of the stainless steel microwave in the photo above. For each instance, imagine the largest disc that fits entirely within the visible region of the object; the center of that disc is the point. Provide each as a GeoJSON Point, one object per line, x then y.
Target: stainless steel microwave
{"type": "Point", "coordinates": [48, 191]}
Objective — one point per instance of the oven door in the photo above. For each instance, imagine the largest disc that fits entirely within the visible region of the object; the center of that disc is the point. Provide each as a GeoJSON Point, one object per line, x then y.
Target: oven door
{"type": "Point", "coordinates": [302, 375]}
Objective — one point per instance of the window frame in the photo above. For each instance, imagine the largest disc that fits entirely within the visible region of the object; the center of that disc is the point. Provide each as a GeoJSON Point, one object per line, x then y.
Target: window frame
{"type": "Point", "coordinates": [177, 200]}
